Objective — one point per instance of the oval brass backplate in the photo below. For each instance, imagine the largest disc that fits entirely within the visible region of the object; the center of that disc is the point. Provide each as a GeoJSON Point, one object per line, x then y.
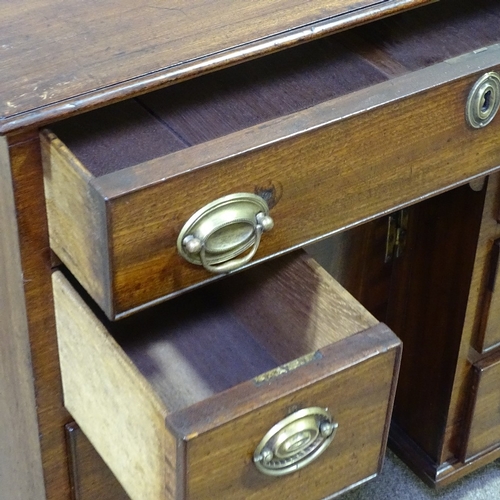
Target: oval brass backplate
{"type": "Point", "coordinates": [483, 101]}
{"type": "Point", "coordinates": [224, 229]}
{"type": "Point", "coordinates": [295, 441]}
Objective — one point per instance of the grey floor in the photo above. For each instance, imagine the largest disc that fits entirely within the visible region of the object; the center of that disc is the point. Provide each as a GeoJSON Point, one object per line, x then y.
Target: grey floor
{"type": "Point", "coordinates": [397, 482]}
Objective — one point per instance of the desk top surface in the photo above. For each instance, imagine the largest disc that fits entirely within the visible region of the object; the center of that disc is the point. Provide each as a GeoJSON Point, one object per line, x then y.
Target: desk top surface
{"type": "Point", "coordinates": [62, 57]}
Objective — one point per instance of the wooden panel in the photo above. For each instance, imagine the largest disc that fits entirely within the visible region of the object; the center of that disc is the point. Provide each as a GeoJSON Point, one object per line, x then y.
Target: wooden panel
{"type": "Point", "coordinates": [484, 431]}
{"type": "Point", "coordinates": [459, 402]}
{"type": "Point", "coordinates": [305, 314]}
{"type": "Point", "coordinates": [356, 259]}
{"type": "Point", "coordinates": [27, 182]}
{"type": "Point", "coordinates": [489, 335]}
{"type": "Point", "coordinates": [435, 475]}
{"type": "Point", "coordinates": [445, 464]}
{"type": "Point", "coordinates": [69, 237]}
{"type": "Point", "coordinates": [21, 470]}
{"type": "Point", "coordinates": [91, 478]}
{"type": "Point", "coordinates": [80, 57]}
{"type": "Point", "coordinates": [427, 309]}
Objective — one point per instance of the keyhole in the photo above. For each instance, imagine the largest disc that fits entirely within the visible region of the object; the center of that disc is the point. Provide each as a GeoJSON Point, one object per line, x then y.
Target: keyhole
{"type": "Point", "coordinates": [486, 101]}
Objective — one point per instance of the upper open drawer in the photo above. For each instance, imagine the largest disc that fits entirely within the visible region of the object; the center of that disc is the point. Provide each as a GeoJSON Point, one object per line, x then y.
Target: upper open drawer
{"type": "Point", "coordinates": [327, 134]}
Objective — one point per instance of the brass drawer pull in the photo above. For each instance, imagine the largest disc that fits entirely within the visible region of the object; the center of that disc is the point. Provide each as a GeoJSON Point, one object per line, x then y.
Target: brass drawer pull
{"type": "Point", "coordinates": [483, 101]}
{"type": "Point", "coordinates": [295, 442]}
{"type": "Point", "coordinates": [218, 233]}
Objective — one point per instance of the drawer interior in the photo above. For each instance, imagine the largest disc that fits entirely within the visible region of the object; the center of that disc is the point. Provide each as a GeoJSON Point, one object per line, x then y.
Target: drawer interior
{"type": "Point", "coordinates": [268, 88]}
{"type": "Point", "coordinates": [238, 329]}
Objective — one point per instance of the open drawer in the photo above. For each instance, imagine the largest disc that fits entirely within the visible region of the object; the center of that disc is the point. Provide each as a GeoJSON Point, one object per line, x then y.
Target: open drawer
{"type": "Point", "coordinates": [325, 135]}
{"type": "Point", "coordinates": [277, 384]}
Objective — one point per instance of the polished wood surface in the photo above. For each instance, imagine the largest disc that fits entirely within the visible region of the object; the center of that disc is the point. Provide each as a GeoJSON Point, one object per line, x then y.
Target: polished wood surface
{"type": "Point", "coordinates": [461, 388]}
{"type": "Point", "coordinates": [175, 372]}
{"type": "Point", "coordinates": [35, 47]}
{"type": "Point", "coordinates": [62, 57]}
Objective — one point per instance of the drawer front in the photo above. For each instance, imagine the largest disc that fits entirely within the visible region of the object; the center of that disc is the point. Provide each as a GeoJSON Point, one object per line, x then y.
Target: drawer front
{"type": "Point", "coordinates": [490, 325]}
{"type": "Point", "coordinates": [484, 431]}
{"type": "Point", "coordinates": [320, 170]}
{"type": "Point", "coordinates": [219, 461]}
{"type": "Point", "coordinates": [206, 449]}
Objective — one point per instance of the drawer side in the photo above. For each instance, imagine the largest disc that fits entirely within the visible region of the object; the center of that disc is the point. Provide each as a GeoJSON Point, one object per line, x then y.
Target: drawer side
{"type": "Point", "coordinates": [77, 218]}
{"type": "Point", "coordinates": [111, 401]}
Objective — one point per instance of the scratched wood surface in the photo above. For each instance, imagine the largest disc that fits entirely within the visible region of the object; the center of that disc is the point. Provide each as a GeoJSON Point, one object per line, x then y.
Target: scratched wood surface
{"type": "Point", "coordinates": [60, 57]}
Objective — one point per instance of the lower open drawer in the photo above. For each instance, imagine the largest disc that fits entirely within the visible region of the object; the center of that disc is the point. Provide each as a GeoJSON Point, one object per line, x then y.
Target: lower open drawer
{"type": "Point", "coordinates": [274, 383]}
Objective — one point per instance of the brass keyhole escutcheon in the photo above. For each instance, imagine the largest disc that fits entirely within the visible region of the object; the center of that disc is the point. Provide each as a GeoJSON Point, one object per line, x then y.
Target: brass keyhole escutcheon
{"type": "Point", "coordinates": [295, 441]}
{"type": "Point", "coordinates": [483, 101]}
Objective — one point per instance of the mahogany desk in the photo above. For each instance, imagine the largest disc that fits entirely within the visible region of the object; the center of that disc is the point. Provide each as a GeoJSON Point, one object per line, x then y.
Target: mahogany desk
{"type": "Point", "coordinates": [391, 132]}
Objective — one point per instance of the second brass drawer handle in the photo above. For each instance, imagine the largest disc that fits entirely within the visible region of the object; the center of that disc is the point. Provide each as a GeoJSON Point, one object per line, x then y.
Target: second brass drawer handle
{"type": "Point", "coordinates": [217, 235]}
{"type": "Point", "coordinates": [295, 441]}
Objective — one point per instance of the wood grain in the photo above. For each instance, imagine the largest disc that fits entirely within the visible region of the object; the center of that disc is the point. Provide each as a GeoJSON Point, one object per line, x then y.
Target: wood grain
{"type": "Point", "coordinates": [453, 442]}
{"type": "Point", "coordinates": [300, 310]}
{"type": "Point", "coordinates": [358, 399]}
{"type": "Point", "coordinates": [427, 310]}
{"type": "Point", "coordinates": [21, 470]}
{"type": "Point", "coordinates": [76, 221]}
{"type": "Point", "coordinates": [27, 183]}
{"type": "Point", "coordinates": [313, 310]}
{"type": "Point", "coordinates": [484, 430]}
{"type": "Point", "coordinates": [489, 331]}
{"type": "Point", "coordinates": [239, 97]}
{"type": "Point", "coordinates": [80, 58]}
